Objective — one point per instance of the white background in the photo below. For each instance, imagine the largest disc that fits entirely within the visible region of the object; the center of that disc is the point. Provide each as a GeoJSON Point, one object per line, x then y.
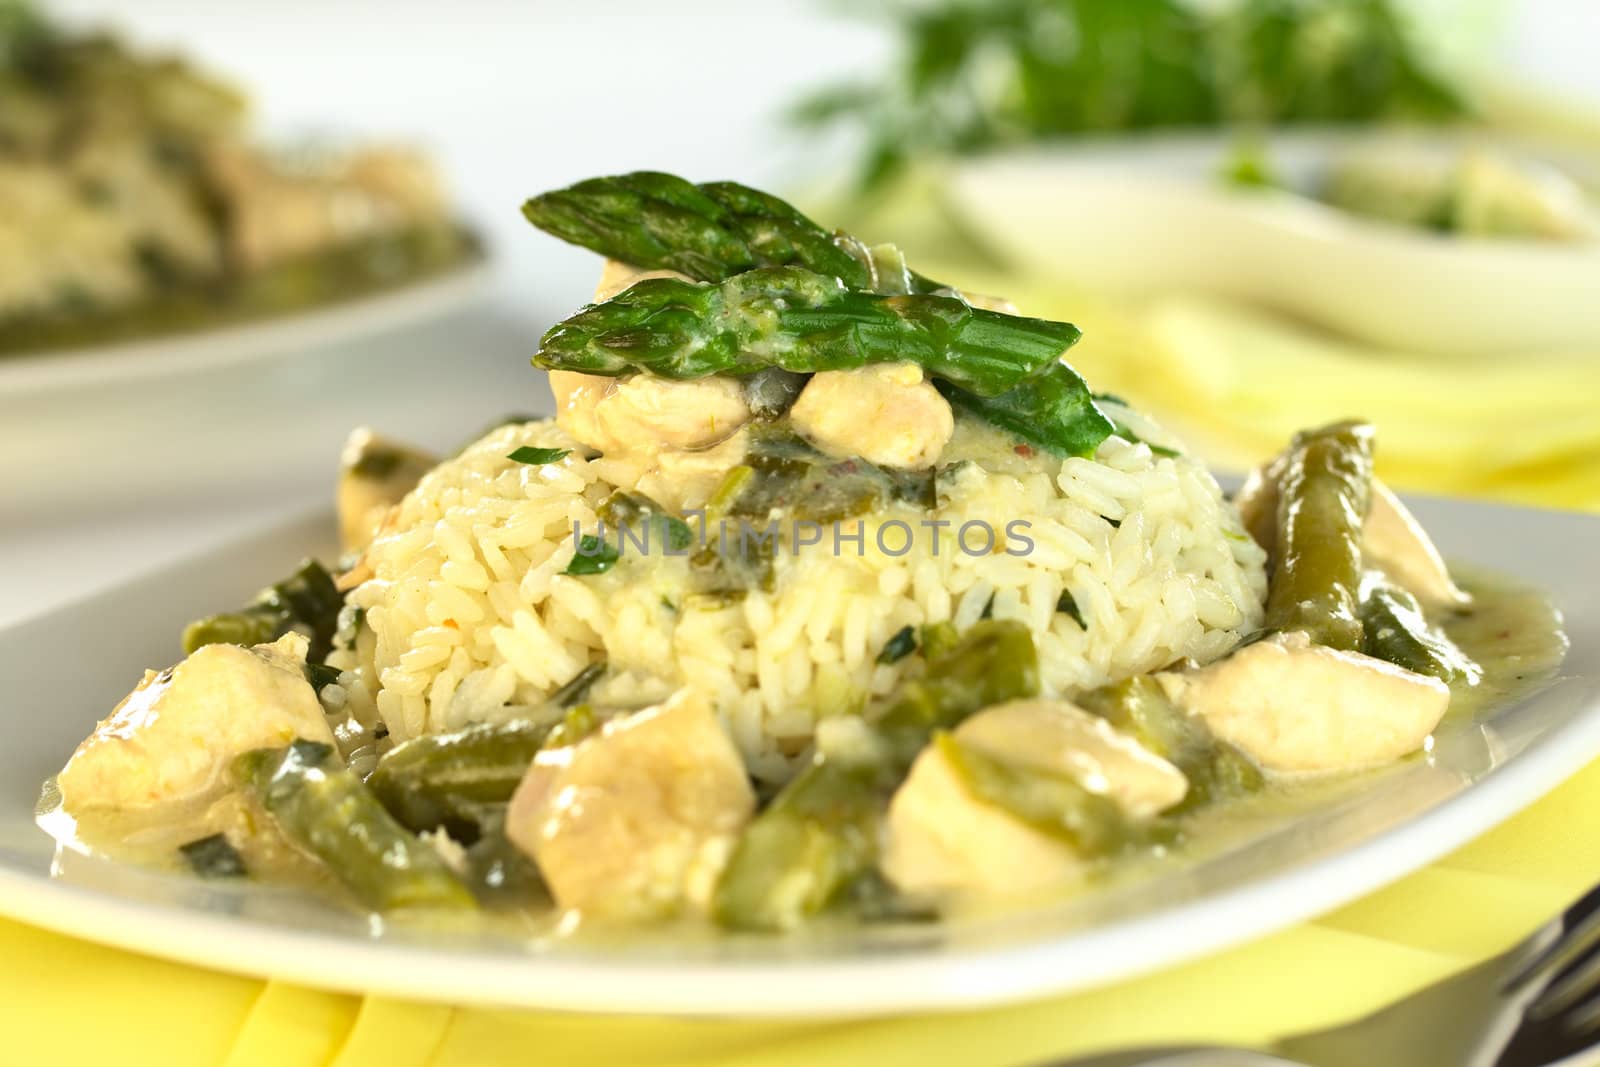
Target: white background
{"type": "Point", "coordinates": [512, 98]}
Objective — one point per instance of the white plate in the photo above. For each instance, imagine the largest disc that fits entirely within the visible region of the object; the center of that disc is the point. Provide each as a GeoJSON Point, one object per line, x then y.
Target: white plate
{"type": "Point", "coordinates": [275, 335]}
{"type": "Point", "coordinates": [1143, 214]}
{"type": "Point", "coordinates": [65, 670]}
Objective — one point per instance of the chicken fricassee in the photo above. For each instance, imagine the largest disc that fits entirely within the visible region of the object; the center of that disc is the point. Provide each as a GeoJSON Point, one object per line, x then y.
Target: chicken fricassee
{"type": "Point", "coordinates": [997, 639]}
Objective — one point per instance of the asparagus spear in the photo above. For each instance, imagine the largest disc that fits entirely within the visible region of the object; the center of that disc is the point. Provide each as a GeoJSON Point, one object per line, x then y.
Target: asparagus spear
{"type": "Point", "coordinates": [1005, 367]}
{"type": "Point", "coordinates": [802, 321]}
{"type": "Point", "coordinates": [306, 601]}
{"type": "Point", "coordinates": [1398, 632]}
{"type": "Point", "coordinates": [326, 810]}
{"type": "Point", "coordinates": [708, 232]}
{"type": "Point", "coordinates": [1323, 496]}
{"type": "Point", "coordinates": [819, 835]}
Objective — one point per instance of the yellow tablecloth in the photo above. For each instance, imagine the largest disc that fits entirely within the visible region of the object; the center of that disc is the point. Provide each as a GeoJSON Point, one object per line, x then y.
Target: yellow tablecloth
{"type": "Point", "coordinates": [1236, 382]}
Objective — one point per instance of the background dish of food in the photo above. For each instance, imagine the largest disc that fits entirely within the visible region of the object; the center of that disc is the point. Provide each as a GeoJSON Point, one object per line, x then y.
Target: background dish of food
{"type": "Point", "coordinates": [140, 204]}
{"type": "Point", "coordinates": [1157, 214]}
{"type": "Point", "coordinates": [1475, 778]}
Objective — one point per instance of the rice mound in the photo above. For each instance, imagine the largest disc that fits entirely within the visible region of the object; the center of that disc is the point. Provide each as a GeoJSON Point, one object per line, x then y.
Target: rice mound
{"type": "Point", "coordinates": [469, 618]}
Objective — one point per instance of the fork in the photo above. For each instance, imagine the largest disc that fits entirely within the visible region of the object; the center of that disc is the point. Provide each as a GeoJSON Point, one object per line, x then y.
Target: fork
{"type": "Point", "coordinates": [1531, 1006]}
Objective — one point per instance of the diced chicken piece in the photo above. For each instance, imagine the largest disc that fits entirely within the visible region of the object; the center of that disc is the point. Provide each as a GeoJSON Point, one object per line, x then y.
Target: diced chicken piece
{"type": "Point", "coordinates": [1294, 706]}
{"type": "Point", "coordinates": [887, 414]}
{"type": "Point", "coordinates": [1257, 504]}
{"type": "Point", "coordinates": [1395, 542]}
{"type": "Point", "coordinates": [990, 303]}
{"type": "Point", "coordinates": [637, 820]}
{"type": "Point", "coordinates": [943, 840]}
{"type": "Point", "coordinates": [374, 474]}
{"type": "Point", "coordinates": [171, 740]}
{"type": "Point", "coordinates": [644, 413]}
{"type": "Point", "coordinates": [681, 480]}
{"type": "Point", "coordinates": [616, 276]}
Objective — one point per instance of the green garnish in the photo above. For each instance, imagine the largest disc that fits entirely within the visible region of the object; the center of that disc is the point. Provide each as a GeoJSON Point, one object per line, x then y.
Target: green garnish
{"type": "Point", "coordinates": [898, 647]}
{"type": "Point", "coordinates": [1066, 605]}
{"type": "Point", "coordinates": [213, 857]}
{"type": "Point", "coordinates": [539, 456]}
{"type": "Point", "coordinates": [578, 686]}
{"type": "Point", "coordinates": [320, 674]}
{"type": "Point", "coordinates": [594, 556]}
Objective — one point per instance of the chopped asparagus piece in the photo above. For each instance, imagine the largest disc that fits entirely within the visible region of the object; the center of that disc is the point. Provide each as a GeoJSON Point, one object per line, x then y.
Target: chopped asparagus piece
{"type": "Point", "coordinates": [326, 811]}
{"type": "Point", "coordinates": [307, 602]}
{"type": "Point", "coordinates": [1092, 823]}
{"type": "Point", "coordinates": [1139, 707]}
{"type": "Point", "coordinates": [446, 780]}
{"type": "Point", "coordinates": [1323, 497]}
{"type": "Point", "coordinates": [820, 833]}
{"type": "Point", "coordinates": [1397, 631]}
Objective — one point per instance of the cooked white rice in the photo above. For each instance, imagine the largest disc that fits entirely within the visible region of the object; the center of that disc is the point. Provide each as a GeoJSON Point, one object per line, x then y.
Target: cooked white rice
{"type": "Point", "coordinates": [469, 617]}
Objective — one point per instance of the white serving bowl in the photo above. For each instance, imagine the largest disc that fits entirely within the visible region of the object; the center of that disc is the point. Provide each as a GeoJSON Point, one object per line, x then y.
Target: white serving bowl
{"type": "Point", "coordinates": [1152, 214]}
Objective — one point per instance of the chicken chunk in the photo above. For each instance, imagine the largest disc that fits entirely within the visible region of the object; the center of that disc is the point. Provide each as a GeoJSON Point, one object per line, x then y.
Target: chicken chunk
{"type": "Point", "coordinates": [616, 276]}
{"type": "Point", "coordinates": [942, 839]}
{"type": "Point", "coordinates": [887, 414]}
{"type": "Point", "coordinates": [171, 740]}
{"type": "Point", "coordinates": [644, 413]}
{"type": "Point", "coordinates": [638, 820]}
{"type": "Point", "coordinates": [1294, 706]}
{"type": "Point", "coordinates": [1395, 542]}
{"type": "Point", "coordinates": [374, 474]}
{"type": "Point", "coordinates": [679, 480]}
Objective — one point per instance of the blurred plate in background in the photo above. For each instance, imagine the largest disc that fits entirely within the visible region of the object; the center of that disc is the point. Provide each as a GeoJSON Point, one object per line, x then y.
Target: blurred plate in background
{"type": "Point", "coordinates": [1153, 214]}
{"type": "Point", "coordinates": [325, 325]}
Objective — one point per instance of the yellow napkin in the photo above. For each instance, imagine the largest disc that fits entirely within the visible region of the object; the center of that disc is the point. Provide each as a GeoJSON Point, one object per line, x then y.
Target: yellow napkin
{"type": "Point", "coordinates": [67, 1002]}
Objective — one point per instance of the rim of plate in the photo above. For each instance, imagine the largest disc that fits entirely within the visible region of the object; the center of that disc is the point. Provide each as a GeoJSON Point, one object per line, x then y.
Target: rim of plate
{"type": "Point", "coordinates": [245, 341]}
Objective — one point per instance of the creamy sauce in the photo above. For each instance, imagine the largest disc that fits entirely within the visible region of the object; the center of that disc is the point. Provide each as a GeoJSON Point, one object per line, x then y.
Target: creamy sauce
{"type": "Point", "coordinates": [1514, 633]}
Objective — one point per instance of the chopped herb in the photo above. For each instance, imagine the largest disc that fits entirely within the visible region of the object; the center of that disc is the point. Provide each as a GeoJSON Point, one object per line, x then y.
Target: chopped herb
{"type": "Point", "coordinates": [667, 603]}
{"type": "Point", "coordinates": [1068, 606]}
{"type": "Point", "coordinates": [594, 556]}
{"type": "Point", "coordinates": [320, 674]}
{"type": "Point", "coordinates": [988, 608]}
{"type": "Point", "coordinates": [578, 685]}
{"type": "Point", "coordinates": [213, 857]}
{"type": "Point", "coordinates": [898, 647]}
{"type": "Point", "coordinates": [539, 456]}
